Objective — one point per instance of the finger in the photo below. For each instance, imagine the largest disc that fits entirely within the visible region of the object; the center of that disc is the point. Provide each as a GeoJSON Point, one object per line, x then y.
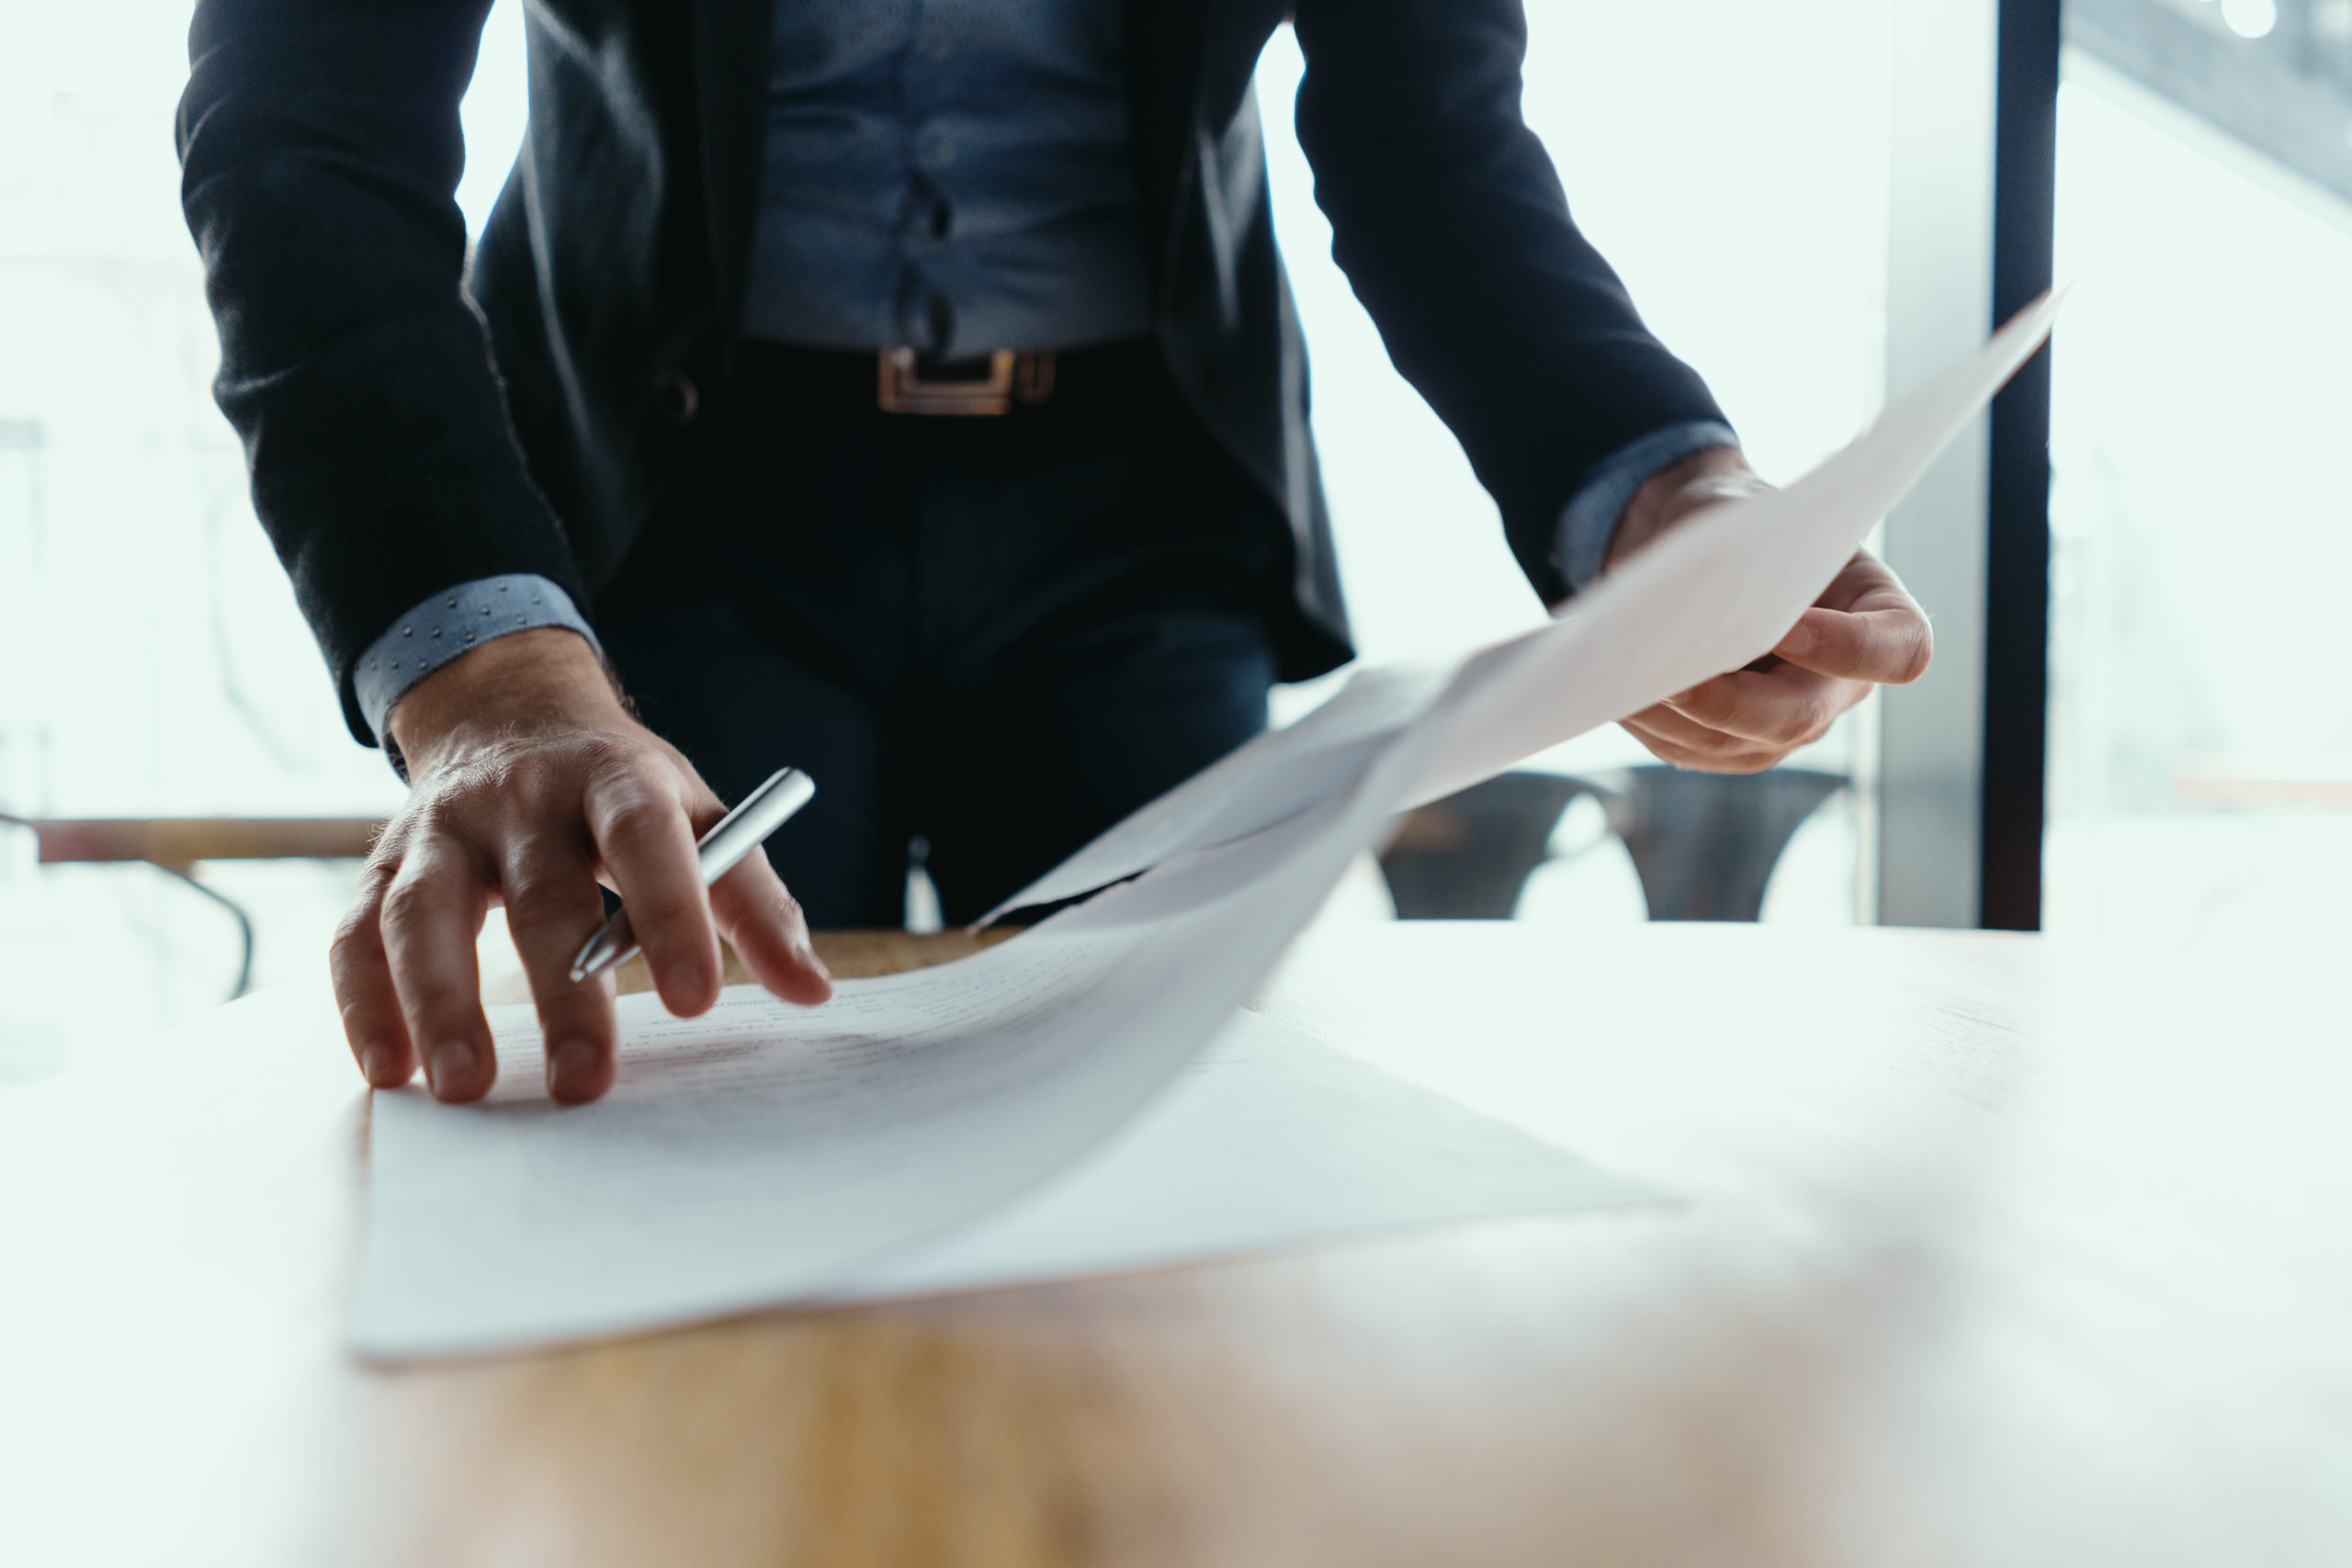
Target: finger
{"type": "Point", "coordinates": [1695, 745]}
{"type": "Point", "coordinates": [647, 843]}
{"type": "Point", "coordinates": [364, 994]}
{"type": "Point", "coordinates": [433, 914]}
{"type": "Point", "coordinates": [1886, 648]}
{"type": "Point", "coordinates": [1697, 762]}
{"type": "Point", "coordinates": [1658, 745]}
{"type": "Point", "coordinates": [1676, 740]}
{"type": "Point", "coordinates": [553, 908]}
{"type": "Point", "coordinates": [1864, 582]}
{"type": "Point", "coordinates": [1865, 626]}
{"type": "Point", "coordinates": [1782, 707]}
{"type": "Point", "coordinates": [1666, 725]}
{"type": "Point", "coordinates": [769, 933]}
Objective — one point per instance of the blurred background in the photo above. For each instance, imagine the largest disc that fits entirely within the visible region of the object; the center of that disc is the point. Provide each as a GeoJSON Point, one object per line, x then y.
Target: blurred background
{"type": "Point", "coordinates": [1750, 171]}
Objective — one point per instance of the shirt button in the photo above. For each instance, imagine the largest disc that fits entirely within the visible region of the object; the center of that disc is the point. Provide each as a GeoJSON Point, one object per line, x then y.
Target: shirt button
{"type": "Point", "coordinates": [939, 153]}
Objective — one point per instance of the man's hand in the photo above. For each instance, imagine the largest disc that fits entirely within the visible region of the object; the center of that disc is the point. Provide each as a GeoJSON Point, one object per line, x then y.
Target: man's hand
{"type": "Point", "coordinates": [530, 781]}
{"type": "Point", "coordinates": [1863, 631]}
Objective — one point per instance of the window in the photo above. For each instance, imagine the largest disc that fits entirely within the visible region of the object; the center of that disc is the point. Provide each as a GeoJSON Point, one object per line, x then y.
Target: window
{"type": "Point", "coordinates": [1730, 161]}
{"type": "Point", "coordinates": [2200, 779]}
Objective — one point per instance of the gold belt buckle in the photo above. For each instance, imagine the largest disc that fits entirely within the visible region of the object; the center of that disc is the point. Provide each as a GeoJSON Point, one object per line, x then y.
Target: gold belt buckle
{"type": "Point", "coordinates": [1014, 375]}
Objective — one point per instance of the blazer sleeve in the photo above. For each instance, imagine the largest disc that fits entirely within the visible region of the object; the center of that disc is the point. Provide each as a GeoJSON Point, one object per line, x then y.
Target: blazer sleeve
{"type": "Point", "coordinates": [1450, 222]}
{"type": "Point", "coordinates": [319, 152]}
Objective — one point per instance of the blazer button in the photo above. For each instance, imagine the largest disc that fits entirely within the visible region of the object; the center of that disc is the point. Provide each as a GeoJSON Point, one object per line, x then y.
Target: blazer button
{"type": "Point", "coordinates": [676, 398]}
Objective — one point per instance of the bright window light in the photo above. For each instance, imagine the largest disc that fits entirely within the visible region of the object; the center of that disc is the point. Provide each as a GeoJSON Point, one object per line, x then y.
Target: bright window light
{"type": "Point", "coordinates": [2250, 18]}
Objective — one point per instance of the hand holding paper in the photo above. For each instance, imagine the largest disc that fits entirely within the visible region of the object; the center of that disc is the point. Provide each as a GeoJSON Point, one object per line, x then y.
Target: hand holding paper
{"type": "Point", "coordinates": [1865, 631]}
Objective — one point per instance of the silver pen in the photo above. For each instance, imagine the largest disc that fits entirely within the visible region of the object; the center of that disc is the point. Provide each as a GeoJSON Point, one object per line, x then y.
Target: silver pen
{"type": "Point", "coordinates": [739, 832]}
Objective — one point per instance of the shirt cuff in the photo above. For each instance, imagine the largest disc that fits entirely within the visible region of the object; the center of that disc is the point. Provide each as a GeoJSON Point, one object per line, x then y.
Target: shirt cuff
{"type": "Point", "coordinates": [447, 624]}
{"type": "Point", "coordinates": [1591, 520]}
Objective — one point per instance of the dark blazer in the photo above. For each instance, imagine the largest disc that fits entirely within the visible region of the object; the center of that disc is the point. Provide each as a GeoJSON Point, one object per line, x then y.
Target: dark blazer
{"type": "Point", "coordinates": [412, 426]}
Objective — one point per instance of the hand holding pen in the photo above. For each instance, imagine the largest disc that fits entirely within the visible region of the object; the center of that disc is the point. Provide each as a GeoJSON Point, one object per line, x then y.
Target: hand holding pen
{"type": "Point", "coordinates": [530, 782]}
{"type": "Point", "coordinates": [739, 832]}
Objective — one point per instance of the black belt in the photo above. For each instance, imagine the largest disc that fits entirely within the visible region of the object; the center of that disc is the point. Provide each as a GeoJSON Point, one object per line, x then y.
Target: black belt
{"type": "Point", "coordinates": [898, 382]}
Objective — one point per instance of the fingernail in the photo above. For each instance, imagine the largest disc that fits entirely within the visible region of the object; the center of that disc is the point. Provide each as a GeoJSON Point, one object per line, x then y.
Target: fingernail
{"type": "Point", "coordinates": [449, 1066]}
{"type": "Point", "coordinates": [1798, 642]}
{"type": "Point", "coordinates": [375, 1066]}
{"type": "Point", "coordinates": [816, 962]}
{"type": "Point", "coordinates": [569, 1065]}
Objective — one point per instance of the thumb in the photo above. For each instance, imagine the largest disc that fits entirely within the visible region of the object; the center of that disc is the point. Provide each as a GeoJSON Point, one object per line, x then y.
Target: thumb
{"type": "Point", "coordinates": [1890, 646]}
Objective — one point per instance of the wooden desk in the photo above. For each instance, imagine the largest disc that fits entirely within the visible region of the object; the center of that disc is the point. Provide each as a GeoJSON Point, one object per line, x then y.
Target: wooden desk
{"type": "Point", "coordinates": [183, 842]}
{"type": "Point", "coordinates": [1992, 1252]}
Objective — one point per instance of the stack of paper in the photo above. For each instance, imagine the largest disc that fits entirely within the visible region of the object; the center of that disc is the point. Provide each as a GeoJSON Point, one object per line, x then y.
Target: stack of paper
{"type": "Point", "coordinates": [929, 1130]}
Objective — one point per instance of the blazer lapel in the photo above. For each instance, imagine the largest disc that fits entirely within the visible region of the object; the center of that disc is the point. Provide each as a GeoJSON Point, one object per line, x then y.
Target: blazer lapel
{"type": "Point", "coordinates": [731, 41]}
{"type": "Point", "coordinates": [1166, 42]}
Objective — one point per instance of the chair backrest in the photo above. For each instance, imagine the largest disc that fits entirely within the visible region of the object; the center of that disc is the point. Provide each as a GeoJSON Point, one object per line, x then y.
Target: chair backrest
{"type": "Point", "coordinates": [1468, 857]}
{"type": "Point", "coordinates": [1703, 844]}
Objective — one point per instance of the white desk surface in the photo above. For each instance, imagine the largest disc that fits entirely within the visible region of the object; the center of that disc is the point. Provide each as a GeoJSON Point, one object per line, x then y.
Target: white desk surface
{"type": "Point", "coordinates": [1992, 1252]}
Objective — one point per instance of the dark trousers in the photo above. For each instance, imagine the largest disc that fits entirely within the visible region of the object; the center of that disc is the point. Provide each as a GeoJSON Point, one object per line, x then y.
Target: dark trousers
{"type": "Point", "coordinates": [994, 637]}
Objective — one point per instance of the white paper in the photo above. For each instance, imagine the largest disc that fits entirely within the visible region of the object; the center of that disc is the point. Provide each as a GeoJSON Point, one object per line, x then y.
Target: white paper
{"type": "Point", "coordinates": [766, 1155]}
{"type": "Point", "coordinates": [1712, 595]}
{"type": "Point", "coordinates": [1267, 1140]}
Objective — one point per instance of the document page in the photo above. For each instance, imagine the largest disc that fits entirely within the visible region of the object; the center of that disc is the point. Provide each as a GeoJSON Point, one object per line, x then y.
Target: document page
{"type": "Point", "coordinates": [766, 1154]}
{"type": "Point", "coordinates": [1714, 595]}
{"type": "Point", "coordinates": [1268, 1139]}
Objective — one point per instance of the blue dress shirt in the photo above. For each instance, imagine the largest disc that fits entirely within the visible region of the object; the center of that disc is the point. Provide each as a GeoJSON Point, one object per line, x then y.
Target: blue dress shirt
{"type": "Point", "coordinates": [949, 175]}
{"type": "Point", "coordinates": [450, 624]}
